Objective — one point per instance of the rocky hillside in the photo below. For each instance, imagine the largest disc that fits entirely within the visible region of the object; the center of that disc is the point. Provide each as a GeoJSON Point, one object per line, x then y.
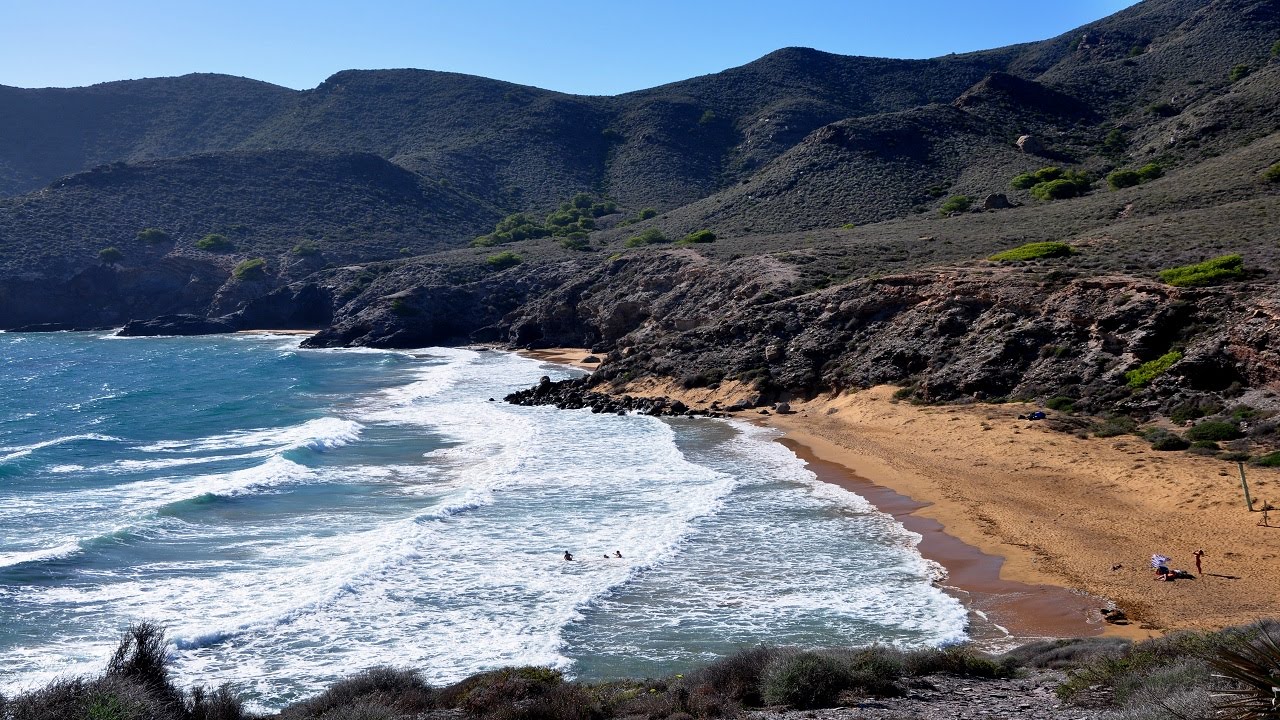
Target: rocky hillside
{"type": "Point", "coordinates": [850, 208]}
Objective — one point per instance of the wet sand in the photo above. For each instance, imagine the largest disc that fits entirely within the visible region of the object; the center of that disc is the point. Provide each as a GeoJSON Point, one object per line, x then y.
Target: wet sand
{"type": "Point", "coordinates": [1000, 609]}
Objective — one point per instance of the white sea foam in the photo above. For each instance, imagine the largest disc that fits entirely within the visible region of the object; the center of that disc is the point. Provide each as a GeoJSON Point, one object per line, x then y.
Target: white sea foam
{"type": "Point", "coordinates": [319, 434]}
{"type": "Point", "coordinates": [19, 451]}
{"type": "Point", "coordinates": [10, 559]}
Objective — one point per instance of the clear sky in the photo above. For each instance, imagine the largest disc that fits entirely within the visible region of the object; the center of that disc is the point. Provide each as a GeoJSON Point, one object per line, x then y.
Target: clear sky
{"type": "Point", "coordinates": [603, 47]}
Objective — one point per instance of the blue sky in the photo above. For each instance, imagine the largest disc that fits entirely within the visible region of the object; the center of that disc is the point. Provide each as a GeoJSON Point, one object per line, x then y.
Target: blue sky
{"type": "Point", "coordinates": [568, 45]}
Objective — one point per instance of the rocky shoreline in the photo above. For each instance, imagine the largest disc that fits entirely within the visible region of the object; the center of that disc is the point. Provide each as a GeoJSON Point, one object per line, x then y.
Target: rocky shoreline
{"type": "Point", "coordinates": [576, 394]}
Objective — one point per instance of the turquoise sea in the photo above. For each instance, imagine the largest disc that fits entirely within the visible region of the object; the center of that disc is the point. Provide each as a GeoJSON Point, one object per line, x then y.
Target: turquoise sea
{"type": "Point", "coordinates": [292, 516]}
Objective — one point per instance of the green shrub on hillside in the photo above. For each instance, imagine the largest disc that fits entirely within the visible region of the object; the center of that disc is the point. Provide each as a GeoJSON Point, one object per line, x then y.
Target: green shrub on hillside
{"type": "Point", "coordinates": [1142, 375]}
{"type": "Point", "coordinates": [1067, 187]}
{"type": "Point", "coordinates": [1121, 179]}
{"type": "Point", "coordinates": [1150, 172]}
{"type": "Point", "coordinates": [503, 260]}
{"type": "Point", "coordinates": [575, 241]}
{"type": "Point", "coordinates": [110, 255]}
{"type": "Point", "coordinates": [306, 248]}
{"type": "Point", "coordinates": [153, 235]}
{"type": "Point", "coordinates": [575, 216]}
{"type": "Point", "coordinates": [652, 236]}
{"type": "Point", "coordinates": [1275, 49]}
{"type": "Point", "coordinates": [1062, 403]}
{"type": "Point", "coordinates": [1272, 174]}
{"type": "Point", "coordinates": [1115, 143]}
{"type": "Point", "coordinates": [697, 237]}
{"type": "Point", "coordinates": [1209, 272]}
{"type": "Point", "coordinates": [1162, 109]}
{"type": "Point", "coordinates": [1268, 460]}
{"type": "Point", "coordinates": [1238, 73]}
{"type": "Point", "coordinates": [955, 204]}
{"type": "Point", "coordinates": [1213, 430]}
{"type": "Point", "coordinates": [250, 270]}
{"type": "Point", "coordinates": [1052, 183]}
{"type": "Point", "coordinates": [1034, 251]}
{"type": "Point", "coordinates": [1166, 441]}
{"type": "Point", "coordinates": [213, 242]}
{"type": "Point", "coordinates": [1026, 181]}
{"type": "Point", "coordinates": [512, 228]}
{"type": "Point", "coordinates": [1128, 178]}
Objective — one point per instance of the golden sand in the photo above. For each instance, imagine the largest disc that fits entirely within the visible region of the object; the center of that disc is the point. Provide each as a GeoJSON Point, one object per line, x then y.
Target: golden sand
{"type": "Point", "coordinates": [1084, 514]}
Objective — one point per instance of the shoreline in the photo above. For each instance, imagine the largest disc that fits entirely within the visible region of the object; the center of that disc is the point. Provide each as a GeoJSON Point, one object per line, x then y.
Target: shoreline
{"type": "Point", "coordinates": [1000, 609]}
{"type": "Point", "coordinates": [1082, 515]}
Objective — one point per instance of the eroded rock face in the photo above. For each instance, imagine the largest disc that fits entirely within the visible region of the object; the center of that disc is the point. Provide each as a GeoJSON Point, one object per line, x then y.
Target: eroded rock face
{"type": "Point", "coordinates": [975, 333]}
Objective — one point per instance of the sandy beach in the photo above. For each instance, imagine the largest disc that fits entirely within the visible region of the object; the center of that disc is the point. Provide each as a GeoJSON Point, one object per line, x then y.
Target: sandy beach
{"type": "Point", "coordinates": [1052, 509]}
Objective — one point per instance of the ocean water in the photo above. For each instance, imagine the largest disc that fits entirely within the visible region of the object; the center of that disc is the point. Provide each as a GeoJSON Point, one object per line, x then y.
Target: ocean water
{"type": "Point", "coordinates": [292, 516]}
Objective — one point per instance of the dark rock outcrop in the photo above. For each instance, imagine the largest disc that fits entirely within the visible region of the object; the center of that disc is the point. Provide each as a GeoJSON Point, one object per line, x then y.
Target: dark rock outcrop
{"type": "Point", "coordinates": [177, 325]}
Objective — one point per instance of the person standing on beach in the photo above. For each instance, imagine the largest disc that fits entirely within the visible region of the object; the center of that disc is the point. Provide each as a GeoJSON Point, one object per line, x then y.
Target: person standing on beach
{"type": "Point", "coordinates": [1199, 554]}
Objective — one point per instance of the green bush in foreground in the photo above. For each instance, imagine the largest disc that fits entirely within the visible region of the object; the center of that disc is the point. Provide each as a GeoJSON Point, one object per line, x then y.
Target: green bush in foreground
{"type": "Point", "coordinates": [1272, 174]}
{"type": "Point", "coordinates": [213, 242]}
{"type": "Point", "coordinates": [503, 260]}
{"type": "Point", "coordinates": [1275, 49]}
{"type": "Point", "coordinates": [1142, 375]}
{"type": "Point", "coordinates": [1238, 73]}
{"type": "Point", "coordinates": [1034, 251]}
{"type": "Point", "coordinates": [250, 270]}
{"type": "Point", "coordinates": [1254, 666]}
{"type": "Point", "coordinates": [110, 255]}
{"type": "Point", "coordinates": [1210, 272]}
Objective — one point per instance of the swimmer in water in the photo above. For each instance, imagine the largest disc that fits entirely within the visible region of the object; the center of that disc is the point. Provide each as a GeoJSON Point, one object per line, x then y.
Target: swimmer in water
{"type": "Point", "coordinates": [567, 556]}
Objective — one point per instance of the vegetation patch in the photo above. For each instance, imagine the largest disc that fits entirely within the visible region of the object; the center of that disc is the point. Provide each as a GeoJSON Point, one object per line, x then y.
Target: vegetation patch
{"type": "Point", "coordinates": [110, 255]}
{"type": "Point", "coordinates": [1142, 375]}
{"type": "Point", "coordinates": [1210, 272]}
{"type": "Point", "coordinates": [652, 236]}
{"type": "Point", "coordinates": [644, 214]}
{"type": "Point", "coordinates": [1272, 174]}
{"type": "Point", "coordinates": [1114, 425]}
{"type": "Point", "coordinates": [1053, 183]}
{"type": "Point", "coordinates": [214, 242]}
{"type": "Point", "coordinates": [1034, 251]}
{"type": "Point", "coordinates": [697, 237]}
{"type": "Point", "coordinates": [306, 248]}
{"type": "Point", "coordinates": [251, 270]}
{"type": "Point", "coordinates": [1214, 430]}
{"type": "Point", "coordinates": [1128, 178]}
{"type": "Point", "coordinates": [1268, 460]}
{"type": "Point", "coordinates": [571, 218]}
{"type": "Point", "coordinates": [153, 235]}
{"type": "Point", "coordinates": [1238, 73]}
{"type": "Point", "coordinates": [503, 260]}
{"type": "Point", "coordinates": [956, 204]}
{"type": "Point", "coordinates": [1165, 440]}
